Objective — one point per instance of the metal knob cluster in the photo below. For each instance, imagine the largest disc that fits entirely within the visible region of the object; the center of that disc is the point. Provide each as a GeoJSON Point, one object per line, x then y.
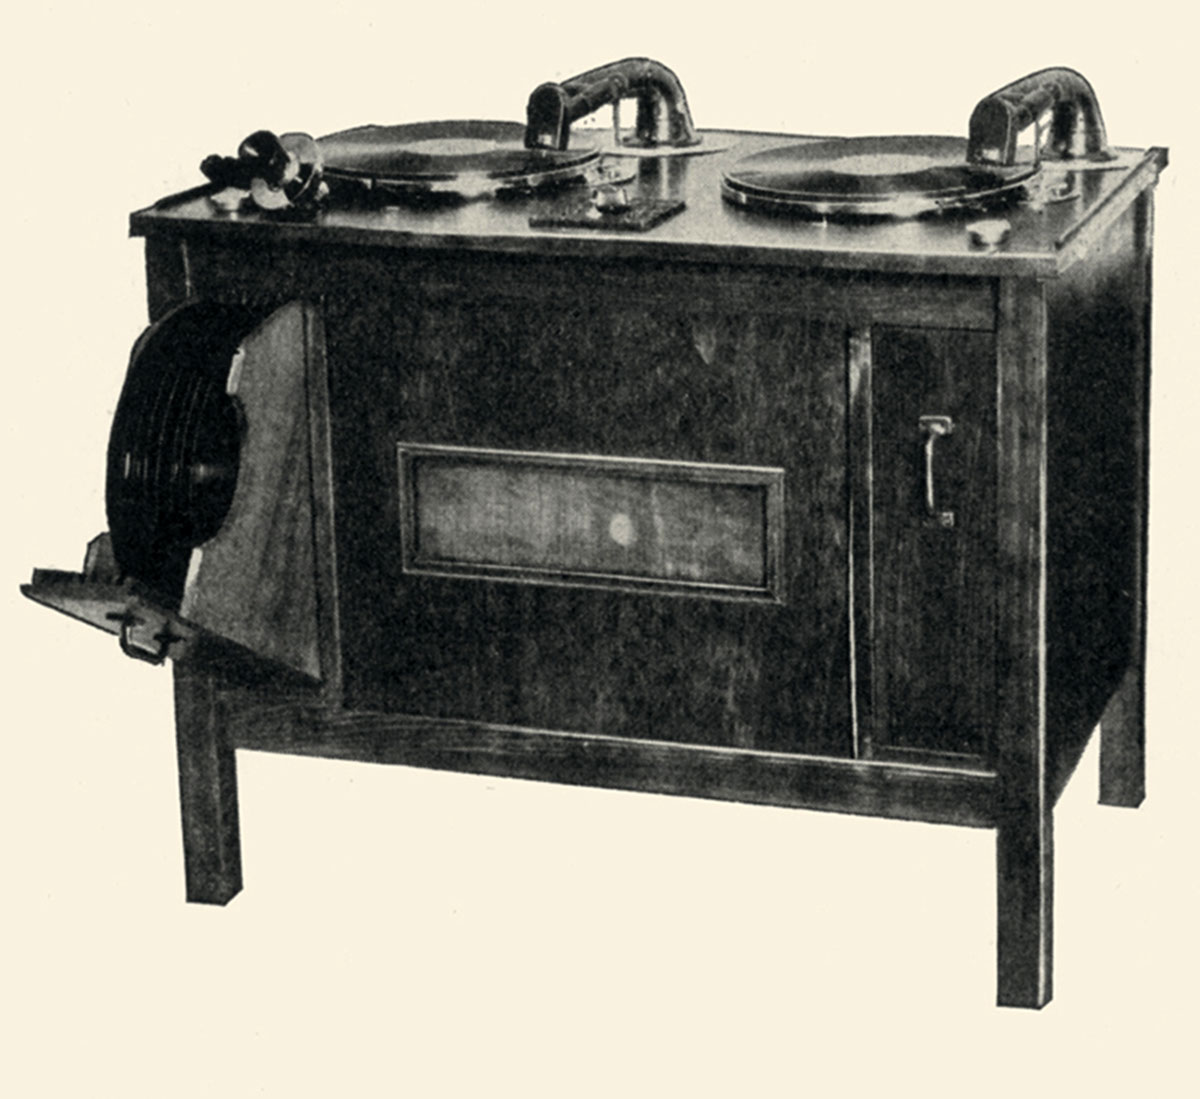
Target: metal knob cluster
{"type": "Point", "coordinates": [278, 174]}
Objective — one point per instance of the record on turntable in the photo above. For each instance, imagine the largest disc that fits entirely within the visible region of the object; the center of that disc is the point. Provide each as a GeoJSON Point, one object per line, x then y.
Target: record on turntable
{"type": "Point", "coordinates": [872, 177]}
{"type": "Point", "coordinates": [911, 176]}
{"type": "Point", "coordinates": [460, 160]}
{"type": "Point", "coordinates": [454, 158]}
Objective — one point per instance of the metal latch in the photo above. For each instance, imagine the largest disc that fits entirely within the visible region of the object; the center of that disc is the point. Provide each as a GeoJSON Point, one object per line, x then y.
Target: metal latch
{"type": "Point", "coordinates": [165, 638]}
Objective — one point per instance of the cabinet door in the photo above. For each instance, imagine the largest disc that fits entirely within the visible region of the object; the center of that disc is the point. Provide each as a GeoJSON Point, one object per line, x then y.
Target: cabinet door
{"type": "Point", "coordinates": [925, 530]}
{"type": "Point", "coordinates": [611, 519]}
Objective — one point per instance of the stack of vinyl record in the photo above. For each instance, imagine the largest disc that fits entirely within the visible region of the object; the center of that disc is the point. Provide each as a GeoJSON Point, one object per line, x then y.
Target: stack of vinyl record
{"type": "Point", "coordinates": [173, 450]}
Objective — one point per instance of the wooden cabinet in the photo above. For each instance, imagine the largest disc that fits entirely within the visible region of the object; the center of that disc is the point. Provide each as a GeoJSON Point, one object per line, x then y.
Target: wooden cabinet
{"type": "Point", "coordinates": [846, 518]}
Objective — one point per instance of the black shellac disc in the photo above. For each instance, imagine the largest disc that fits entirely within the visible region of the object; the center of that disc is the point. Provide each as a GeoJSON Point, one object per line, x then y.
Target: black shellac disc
{"type": "Point", "coordinates": [870, 176]}
{"type": "Point", "coordinates": [466, 157]}
{"type": "Point", "coordinates": [174, 445]}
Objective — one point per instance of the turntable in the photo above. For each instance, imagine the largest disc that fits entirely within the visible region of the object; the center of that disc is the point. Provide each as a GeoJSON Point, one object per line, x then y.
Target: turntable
{"type": "Point", "coordinates": [913, 176]}
{"type": "Point", "coordinates": [457, 160]}
{"type": "Point", "coordinates": [777, 469]}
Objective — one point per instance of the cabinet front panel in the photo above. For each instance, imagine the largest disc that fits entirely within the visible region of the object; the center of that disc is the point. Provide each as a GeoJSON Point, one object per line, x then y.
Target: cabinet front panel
{"type": "Point", "coordinates": [932, 664]}
{"type": "Point", "coordinates": [621, 520]}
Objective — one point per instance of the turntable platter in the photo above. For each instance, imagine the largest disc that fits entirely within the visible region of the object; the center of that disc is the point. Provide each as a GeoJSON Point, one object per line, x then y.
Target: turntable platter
{"type": "Point", "coordinates": [455, 157]}
{"type": "Point", "coordinates": [871, 177]}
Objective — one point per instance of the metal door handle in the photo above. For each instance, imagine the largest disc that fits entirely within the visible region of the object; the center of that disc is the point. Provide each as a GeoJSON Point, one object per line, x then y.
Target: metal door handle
{"type": "Point", "coordinates": [932, 429]}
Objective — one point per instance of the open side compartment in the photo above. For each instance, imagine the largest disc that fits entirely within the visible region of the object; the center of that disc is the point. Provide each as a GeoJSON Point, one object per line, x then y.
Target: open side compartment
{"type": "Point", "coordinates": [212, 495]}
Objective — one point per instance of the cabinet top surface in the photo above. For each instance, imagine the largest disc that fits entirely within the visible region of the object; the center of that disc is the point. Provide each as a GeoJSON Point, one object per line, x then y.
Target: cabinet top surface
{"type": "Point", "coordinates": [1044, 237]}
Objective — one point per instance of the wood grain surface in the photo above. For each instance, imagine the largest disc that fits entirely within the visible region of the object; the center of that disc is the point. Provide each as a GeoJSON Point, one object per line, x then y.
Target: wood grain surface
{"type": "Point", "coordinates": [1098, 378]}
{"type": "Point", "coordinates": [274, 722]}
{"type": "Point", "coordinates": [254, 582]}
{"type": "Point", "coordinates": [681, 527]}
{"type": "Point", "coordinates": [710, 230]}
{"type": "Point", "coordinates": [699, 387]}
{"type": "Point", "coordinates": [947, 672]}
{"type": "Point", "coordinates": [934, 597]}
{"type": "Point", "coordinates": [1024, 807]}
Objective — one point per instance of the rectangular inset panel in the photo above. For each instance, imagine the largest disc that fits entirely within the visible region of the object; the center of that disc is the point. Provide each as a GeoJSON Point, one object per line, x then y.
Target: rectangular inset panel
{"type": "Point", "coordinates": [930, 651]}
{"type": "Point", "coordinates": [681, 527]}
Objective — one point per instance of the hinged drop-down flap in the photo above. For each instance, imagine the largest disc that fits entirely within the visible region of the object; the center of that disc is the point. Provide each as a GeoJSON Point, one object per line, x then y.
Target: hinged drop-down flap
{"type": "Point", "coordinates": [249, 589]}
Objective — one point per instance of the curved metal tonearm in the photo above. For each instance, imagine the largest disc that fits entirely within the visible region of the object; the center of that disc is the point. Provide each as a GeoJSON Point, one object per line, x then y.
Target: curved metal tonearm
{"type": "Point", "coordinates": [1076, 128]}
{"type": "Point", "coordinates": [663, 117]}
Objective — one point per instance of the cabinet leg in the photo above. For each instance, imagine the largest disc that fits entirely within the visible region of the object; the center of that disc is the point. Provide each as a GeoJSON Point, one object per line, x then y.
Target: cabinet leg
{"type": "Point", "coordinates": [1123, 744]}
{"type": "Point", "coordinates": [1025, 910]}
{"type": "Point", "coordinates": [207, 790]}
{"type": "Point", "coordinates": [1123, 724]}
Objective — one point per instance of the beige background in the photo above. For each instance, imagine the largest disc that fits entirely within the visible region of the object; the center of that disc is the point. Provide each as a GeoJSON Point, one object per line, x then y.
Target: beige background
{"type": "Point", "coordinates": [426, 934]}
